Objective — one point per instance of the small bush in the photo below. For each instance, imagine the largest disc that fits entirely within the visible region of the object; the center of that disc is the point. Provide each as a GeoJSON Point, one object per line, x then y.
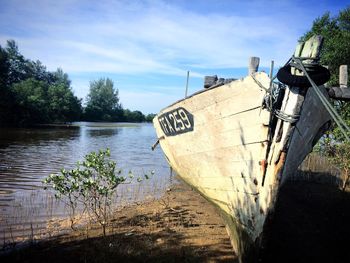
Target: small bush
{"type": "Point", "coordinates": [92, 183]}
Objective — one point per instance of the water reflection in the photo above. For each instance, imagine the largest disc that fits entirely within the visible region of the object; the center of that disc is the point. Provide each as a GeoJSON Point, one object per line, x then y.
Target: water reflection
{"type": "Point", "coordinates": [29, 155]}
{"type": "Point", "coordinates": [102, 132]}
{"type": "Point", "coordinates": [30, 137]}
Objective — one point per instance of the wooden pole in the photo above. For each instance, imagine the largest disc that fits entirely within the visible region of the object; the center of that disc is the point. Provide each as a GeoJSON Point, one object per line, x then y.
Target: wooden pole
{"type": "Point", "coordinates": [327, 83]}
{"type": "Point", "coordinates": [343, 91]}
{"type": "Point", "coordinates": [253, 65]}
{"type": "Point", "coordinates": [188, 76]}
{"type": "Point", "coordinates": [271, 69]}
{"type": "Point", "coordinates": [343, 76]}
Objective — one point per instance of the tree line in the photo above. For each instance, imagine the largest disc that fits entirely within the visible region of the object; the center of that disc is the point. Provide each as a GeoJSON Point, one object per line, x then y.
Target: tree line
{"type": "Point", "coordinates": [335, 52]}
{"type": "Point", "coordinates": [30, 94]}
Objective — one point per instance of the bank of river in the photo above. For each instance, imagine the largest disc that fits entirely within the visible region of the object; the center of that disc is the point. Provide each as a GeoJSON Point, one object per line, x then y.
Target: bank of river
{"type": "Point", "coordinates": [29, 155]}
{"type": "Point", "coordinates": [310, 225]}
{"type": "Point", "coordinates": [180, 227]}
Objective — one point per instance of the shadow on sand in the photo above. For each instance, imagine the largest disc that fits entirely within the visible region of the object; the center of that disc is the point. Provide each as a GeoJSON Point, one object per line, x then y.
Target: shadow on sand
{"type": "Point", "coordinates": [119, 248]}
{"type": "Point", "coordinates": [181, 227]}
{"type": "Point", "coordinates": [311, 223]}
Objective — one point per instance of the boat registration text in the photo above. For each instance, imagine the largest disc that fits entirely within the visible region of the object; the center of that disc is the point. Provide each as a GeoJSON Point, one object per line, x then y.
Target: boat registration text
{"type": "Point", "coordinates": [176, 121]}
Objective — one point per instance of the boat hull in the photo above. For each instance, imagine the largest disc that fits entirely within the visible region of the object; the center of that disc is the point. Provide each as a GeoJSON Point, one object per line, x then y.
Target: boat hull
{"type": "Point", "coordinates": [220, 142]}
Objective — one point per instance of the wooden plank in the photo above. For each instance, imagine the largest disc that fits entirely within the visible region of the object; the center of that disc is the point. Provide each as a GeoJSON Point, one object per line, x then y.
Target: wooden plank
{"type": "Point", "coordinates": [307, 131]}
{"type": "Point", "coordinates": [343, 76]}
{"type": "Point", "coordinates": [253, 65]}
{"type": "Point", "coordinates": [342, 92]}
{"type": "Point", "coordinates": [237, 90]}
{"type": "Point", "coordinates": [217, 158]}
{"type": "Point", "coordinates": [339, 93]}
{"type": "Point", "coordinates": [312, 47]}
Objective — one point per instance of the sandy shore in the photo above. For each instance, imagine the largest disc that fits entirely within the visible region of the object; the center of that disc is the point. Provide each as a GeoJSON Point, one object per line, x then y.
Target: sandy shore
{"type": "Point", "coordinates": [310, 224]}
{"type": "Point", "coordinates": [179, 227]}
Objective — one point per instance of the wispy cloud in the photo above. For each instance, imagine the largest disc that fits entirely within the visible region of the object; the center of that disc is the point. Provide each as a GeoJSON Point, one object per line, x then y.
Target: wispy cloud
{"type": "Point", "coordinates": [135, 38]}
{"type": "Point", "coordinates": [146, 36]}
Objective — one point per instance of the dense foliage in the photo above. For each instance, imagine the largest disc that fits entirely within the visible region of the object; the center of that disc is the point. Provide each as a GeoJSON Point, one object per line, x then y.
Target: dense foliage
{"type": "Point", "coordinates": [29, 94]}
{"type": "Point", "coordinates": [339, 155]}
{"type": "Point", "coordinates": [335, 52]}
{"type": "Point", "coordinates": [103, 102]}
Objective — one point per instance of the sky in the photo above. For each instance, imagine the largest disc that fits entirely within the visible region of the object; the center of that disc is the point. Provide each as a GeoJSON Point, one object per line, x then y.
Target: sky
{"type": "Point", "coordinates": [147, 46]}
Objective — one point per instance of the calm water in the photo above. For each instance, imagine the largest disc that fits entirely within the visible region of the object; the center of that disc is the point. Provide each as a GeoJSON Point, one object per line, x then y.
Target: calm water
{"type": "Point", "coordinates": [29, 155]}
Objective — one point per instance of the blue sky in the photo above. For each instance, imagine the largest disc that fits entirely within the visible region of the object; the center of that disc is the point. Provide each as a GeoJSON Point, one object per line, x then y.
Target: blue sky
{"type": "Point", "coordinates": [146, 47]}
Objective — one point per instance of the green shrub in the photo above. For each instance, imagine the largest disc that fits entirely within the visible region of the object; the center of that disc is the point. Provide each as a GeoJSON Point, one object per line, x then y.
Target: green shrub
{"type": "Point", "coordinates": [92, 184]}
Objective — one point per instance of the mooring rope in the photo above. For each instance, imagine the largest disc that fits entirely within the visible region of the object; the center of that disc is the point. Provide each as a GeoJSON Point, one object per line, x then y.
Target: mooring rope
{"type": "Point", "coordinates": [332, 111]}
{"type": "Point", "coordinates": [267, 91]}
{"type": "Point", "coordinates": [291, 118]}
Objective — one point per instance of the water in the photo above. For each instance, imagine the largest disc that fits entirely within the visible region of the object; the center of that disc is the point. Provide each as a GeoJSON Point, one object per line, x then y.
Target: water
{"type": "Point", "coordinates": [27, 156]}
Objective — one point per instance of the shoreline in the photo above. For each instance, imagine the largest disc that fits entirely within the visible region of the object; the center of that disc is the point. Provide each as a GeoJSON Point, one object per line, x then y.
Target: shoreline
{"type": "Point", "coordinates": [180, 226]}
{"type": "Point", "coordinates": [309, 225]}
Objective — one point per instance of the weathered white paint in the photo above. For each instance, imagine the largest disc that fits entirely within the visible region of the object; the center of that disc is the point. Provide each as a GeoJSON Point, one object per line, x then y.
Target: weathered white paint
{"type": "Point", "coordinates": [224, 156]}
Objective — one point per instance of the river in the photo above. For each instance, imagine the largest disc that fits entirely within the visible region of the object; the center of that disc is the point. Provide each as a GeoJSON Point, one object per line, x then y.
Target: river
{"type": "Point", "coordinates": [27, 156]}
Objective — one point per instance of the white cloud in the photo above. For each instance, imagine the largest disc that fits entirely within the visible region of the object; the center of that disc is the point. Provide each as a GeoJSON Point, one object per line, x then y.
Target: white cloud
{"type": "Point", "coordinates": [154, 37]}
{"type": "Point", "coordinates": [152, 101]}
{"type": "Point", "coordinates": [146, 37]}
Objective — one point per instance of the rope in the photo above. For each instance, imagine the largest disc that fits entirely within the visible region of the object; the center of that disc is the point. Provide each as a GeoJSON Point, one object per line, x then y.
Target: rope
{"type": "Point", "coordinates": [268, 91]}
{"type": "Point", "coordinates": [332, 111]}
{"type": "Point", "coordinates": [269, 100]}
{"type": "Point", "coordinates": [259, 84]}
{"type": "Point", "coordinates": [291, 118]}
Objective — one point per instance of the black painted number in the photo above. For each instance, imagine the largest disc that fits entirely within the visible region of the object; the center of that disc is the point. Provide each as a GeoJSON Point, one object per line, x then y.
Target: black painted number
{"type": "Point", "coordinates": [176, 122]}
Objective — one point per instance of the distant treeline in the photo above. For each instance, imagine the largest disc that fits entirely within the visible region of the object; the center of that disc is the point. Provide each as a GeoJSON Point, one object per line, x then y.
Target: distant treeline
{"type": "Point", "coordinates": [29, 94]}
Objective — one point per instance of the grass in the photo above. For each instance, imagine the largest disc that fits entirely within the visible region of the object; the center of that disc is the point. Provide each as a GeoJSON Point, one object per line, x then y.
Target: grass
{"type": "Point", "coordinates": [39, 215]}
{"type": "Point", "coordinates": [180, 228]}
{"type": "Point", "coordinates": [309, 225]}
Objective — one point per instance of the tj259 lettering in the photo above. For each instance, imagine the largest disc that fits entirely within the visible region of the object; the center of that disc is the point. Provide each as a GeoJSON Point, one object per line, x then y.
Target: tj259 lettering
{"type": "Point", "coordinates": [176, 122]}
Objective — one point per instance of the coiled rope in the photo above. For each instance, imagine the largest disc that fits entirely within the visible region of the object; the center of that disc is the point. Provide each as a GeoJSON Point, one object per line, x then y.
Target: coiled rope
{"type": "Point", "coordinates": [291, 118]}
{"type": "Point", "coordinates": [269, 103]}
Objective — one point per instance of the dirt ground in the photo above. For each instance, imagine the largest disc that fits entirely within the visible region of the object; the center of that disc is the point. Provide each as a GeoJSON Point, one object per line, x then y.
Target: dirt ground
{"type": "Point", "coordinates": [180, 227]}
{"type": "Point", "coordinates": [311, 224]}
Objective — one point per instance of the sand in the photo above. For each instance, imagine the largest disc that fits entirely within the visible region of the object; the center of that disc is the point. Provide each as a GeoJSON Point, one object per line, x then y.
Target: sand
{"type": "Point", "coordinates": [310, 224]}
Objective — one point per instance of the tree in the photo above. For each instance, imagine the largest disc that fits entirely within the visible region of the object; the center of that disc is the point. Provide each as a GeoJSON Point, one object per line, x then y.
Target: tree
{"type": "Point", "coordinates": [102, 101]}
{"type": "Point", "coordinates": [339, 155]}
{"type": "Point", "coordinates": [38, 71]}
{"type": "Point", "coordinates": [335, 52]}
{"type": "Point", "coordinates": [31, 101]}
{"type": "Point", "coordinates": [150, 117]}
{"type": "Point", "coordinates": [19, 66]}
{"type": "Point", "coordinates": [4, 68]}
{"type": "Point", "coordinates": [336, 33]}
{"type": "Point", "coordinates": [29, 94]}
{"type": "Point", "coordinates": [38, 102]}
{"type": "Point", "coordinates": [63, 105]}
{"type": "Point", "coordinates": [134, 116]}
{"type": "Point", "coordinates": [5, 93]}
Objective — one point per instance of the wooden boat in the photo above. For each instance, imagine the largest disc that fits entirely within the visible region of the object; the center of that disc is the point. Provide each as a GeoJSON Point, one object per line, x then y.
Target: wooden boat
{"type": "Point", "coordinates": [237, 143]}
